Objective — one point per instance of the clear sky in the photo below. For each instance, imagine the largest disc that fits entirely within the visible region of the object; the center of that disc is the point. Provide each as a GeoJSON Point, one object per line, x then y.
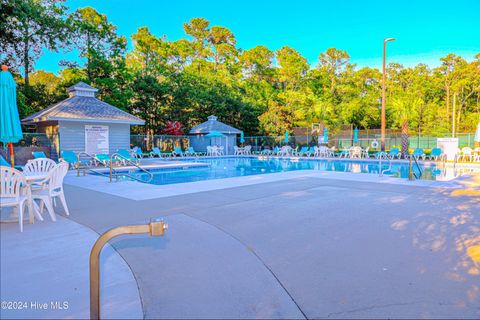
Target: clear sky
{"type": "Point", "coordinates": [425, 30]}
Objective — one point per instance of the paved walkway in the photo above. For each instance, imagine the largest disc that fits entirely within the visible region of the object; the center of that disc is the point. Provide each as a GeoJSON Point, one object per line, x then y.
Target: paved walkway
{"type": "Point", "coordinates": [303, 247]}
{"type": "Point", "coordinates": [45, 268]}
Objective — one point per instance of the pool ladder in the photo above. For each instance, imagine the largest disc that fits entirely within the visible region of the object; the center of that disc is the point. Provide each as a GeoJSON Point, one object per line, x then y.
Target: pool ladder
{"type": "Point", "coordinates": [412, 175]}
{"type": "Point", "coordinates": [380, 171]}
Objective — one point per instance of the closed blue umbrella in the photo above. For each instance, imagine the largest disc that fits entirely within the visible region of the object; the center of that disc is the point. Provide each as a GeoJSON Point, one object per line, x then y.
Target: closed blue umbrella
{"type": "Point", "coordinates": [10, 129]}
{"type": "Point", "coordinates": [286, 136]}
{"type": "Point", "coordinates": [355, 135]}
{"type": "Point", "coordinates": [242, 138]}
{"type": "Point", "coordinates": [325, 135]}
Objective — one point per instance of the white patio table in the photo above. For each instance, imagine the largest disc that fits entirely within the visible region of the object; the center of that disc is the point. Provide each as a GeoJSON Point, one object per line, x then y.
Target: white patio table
{"type": "Point", "coordinates": [34, 178]}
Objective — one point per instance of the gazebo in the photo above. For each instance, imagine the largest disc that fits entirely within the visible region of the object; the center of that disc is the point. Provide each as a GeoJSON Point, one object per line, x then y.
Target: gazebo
{"type": "Point", "coordinates": [199, 142]}
{"type": "Point", "coordinates": [84, 123]}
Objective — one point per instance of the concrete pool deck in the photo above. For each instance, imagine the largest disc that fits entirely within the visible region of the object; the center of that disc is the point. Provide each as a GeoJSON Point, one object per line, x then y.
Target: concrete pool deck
{"type": "Point", "coordinates": [135, 190]}
{"type": "Point", "coordinates": [298, 247]}
{"type": "Point", "coordinates": [48, 263]}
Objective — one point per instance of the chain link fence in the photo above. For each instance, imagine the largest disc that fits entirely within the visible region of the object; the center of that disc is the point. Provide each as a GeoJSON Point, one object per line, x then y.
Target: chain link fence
{"type": "Point", "coordinates": [339, 141]}
{"type": "Point", "coordinates": [41, 142]}
{"type": "Point", "coordinates": [165, 143]}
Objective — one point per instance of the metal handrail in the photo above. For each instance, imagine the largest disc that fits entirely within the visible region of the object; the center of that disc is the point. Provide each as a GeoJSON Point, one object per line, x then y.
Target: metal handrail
{"type": "Point", "coordinates": [126, 160]}
{"type": "Point", "coordinates": [79, 167]}
{"type": "Point", "coordinates": [384, 156]}
{"type": "Point", "coordinates": [112, 171]}
{"type": "Point", "coordinates": [418, 167]}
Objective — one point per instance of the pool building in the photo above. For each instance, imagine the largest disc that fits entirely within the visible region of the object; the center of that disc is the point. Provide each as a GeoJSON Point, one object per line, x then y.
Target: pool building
{"type": "Point", "coordinates": [84, 123]}
{"type": "Point", "coordinates": [226, 135]}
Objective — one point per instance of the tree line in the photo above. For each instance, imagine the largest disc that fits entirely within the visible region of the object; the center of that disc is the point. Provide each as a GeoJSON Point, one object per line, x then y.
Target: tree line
{"type": "Point", "coordinates": [257, 90]}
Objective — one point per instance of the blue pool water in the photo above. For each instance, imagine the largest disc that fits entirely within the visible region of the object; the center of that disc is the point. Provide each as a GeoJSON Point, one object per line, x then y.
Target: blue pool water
{"type": "Point", "coordinates": [220, 168]}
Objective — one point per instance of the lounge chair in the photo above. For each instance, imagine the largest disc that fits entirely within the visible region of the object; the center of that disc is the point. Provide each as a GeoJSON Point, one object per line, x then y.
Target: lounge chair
{"type": "Point", "coordinates": [72, 159]}
{"type": "Point", "coordinates": [137, 152]}
{"type": "Point", "coordinates": [191, 152]}
{"type": "Point", "coordinates": [275, 151]}
{"type": "Point", "coordinates": [125, 157]}
{"type": "Point", "coordinates": [105, 159]}
{"type": "Point", "coordinates": [417, 153]}
{"type": "Point", "coordinates": [311, 152]}
{"type": "Point", "coordinates": [265, 152]}
{"type": "Point", "coordinates": [344, 153]}
{"type": "Point", "coordinates": [156, 152]}
{"type": "Point", "coordinates": [39, 154]}
{"type": "Point", "coordinates": [285, 151]}
{"type": "Point", "coordinates": [4, 162]}
{"type": "Point", "coordinates": [392, 154]}
{"type": "Point", "coordinates": [303, 151]}
{"type": "Point", "coordinates": [177, 151]}
{"type": "Point", "coordinates": [435, 154]}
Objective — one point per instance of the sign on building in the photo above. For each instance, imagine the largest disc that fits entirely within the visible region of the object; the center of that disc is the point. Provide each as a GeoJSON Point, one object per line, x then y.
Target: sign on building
{"type": "Point", "coordinates": [96, 139]}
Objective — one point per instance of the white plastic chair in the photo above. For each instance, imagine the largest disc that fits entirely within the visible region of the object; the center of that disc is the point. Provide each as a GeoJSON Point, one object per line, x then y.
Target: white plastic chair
{"type": "Point", "coordinates": [237, 151]}
{"type": "Point", "coordinates": [53, 189]}
{"type": "Point", "coordinates": [467, 154]}
{"type": "Point", "coordinates": [247, 150]}
{"type": "Point", "coordinates": [12, 182]}
{"type": "Point", "coordinates": [476, 152]}
{"type": "Point", "coordinates": [331, 152]}
{"type": "Point", "coordinates": [355, 152]}
{"type": "Point", "coordinates": [39, 165]}
{"type": "Point", "coordinates": [322, 151]}
{"type": "Point", "coordinates": [365, 153]}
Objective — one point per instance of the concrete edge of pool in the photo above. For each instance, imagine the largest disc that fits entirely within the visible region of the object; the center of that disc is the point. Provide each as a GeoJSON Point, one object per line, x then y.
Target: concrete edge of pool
{"type": "Point", "coordinates": [142, 191]}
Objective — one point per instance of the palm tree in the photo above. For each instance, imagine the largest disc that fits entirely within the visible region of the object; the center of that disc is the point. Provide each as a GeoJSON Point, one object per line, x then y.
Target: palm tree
{"type": "Point", "coordinates": [404, 105]}
{"type": "Point", "coordinates": [404, 137]}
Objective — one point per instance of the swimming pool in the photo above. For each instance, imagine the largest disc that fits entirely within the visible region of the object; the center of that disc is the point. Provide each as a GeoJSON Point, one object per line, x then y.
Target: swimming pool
{"type": "Point", "coordinates": [220, 168]}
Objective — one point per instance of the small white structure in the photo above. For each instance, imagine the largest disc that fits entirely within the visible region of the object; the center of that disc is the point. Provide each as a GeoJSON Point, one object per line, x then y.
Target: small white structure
{"type": "Point", "coordinates": [449, 147]}
{"type": "Point", "coordinates": [199, 142]}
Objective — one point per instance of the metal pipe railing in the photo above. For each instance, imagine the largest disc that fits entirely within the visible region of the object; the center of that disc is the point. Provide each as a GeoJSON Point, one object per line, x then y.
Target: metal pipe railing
{"type": "Point", "coordinates": [155, 228]}
{"type": "Point", "coordinates": [130, 162]}
{"type": "Point", "coordinates": [110, 166]}
{"type": "Point", "coordinates": [412, 175]}
{"type": "Point", "coordinates": [418, 167]}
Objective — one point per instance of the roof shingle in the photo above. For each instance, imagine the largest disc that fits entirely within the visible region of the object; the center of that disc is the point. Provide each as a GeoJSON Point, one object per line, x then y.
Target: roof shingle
{"type": "Point", "coordinates": [87, 108]}
{"type": "Point", "coordinates": [212, 124]}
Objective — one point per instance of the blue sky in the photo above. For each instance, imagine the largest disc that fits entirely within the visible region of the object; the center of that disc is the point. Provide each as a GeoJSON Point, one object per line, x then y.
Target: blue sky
{"type": "Point", "coordinates": [425, 30]}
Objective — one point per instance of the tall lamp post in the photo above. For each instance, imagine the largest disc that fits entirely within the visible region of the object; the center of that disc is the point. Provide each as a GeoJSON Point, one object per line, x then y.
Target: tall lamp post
{"type": "Point", "coordinates": [383, 89]}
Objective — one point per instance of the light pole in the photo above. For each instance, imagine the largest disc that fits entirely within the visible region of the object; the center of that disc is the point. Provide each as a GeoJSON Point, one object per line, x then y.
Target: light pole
{"type": "Point", "coordinates": [383, 89]}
